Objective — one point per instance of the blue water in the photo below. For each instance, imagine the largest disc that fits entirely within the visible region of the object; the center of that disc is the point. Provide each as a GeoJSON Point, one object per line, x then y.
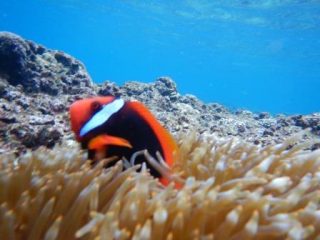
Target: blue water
{"type": "Point", "coordinates": [263, 55]}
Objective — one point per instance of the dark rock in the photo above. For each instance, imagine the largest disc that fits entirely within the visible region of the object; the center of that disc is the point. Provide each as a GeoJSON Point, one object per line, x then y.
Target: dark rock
{"type": "Point", "coordinates": [298, 121]}
{"type": "Point", "coordinates": [13, 58]}
{"type": "Point", "coordinates": [63, 59]}
{"type": "Point", "coordinates": [256, 142]}
{"type": "Point", "coordinates": [74, 68]}
{"type": "Point", "coordinates": [262, 115]}
{"type": "Point", "coordinates": [109, 89]}
{"type": "Point", "coordinates": [23, 102]}
{"type": "Point", "coordinates": [134, 89]}
{"type": "Point", "coordinates": [315, 146]}
{"type": "Point", "coordinates": [57, 106]}
{"type": "Point", "coordinates": [40, 50]}
{"type": "Point", "coordinates": [166, 86]}
{"type": "Point", "coordinates": [268, 132]}
{"type": "Point", "coordinates": [48, 137]}
{"type": "Point", "coordinates": [241, 129]}
{"type": "Point", "coordinates": [49, 87]}
{"type": "Point", "coordinates": [216, 117]}
{"type": "Point", "coordinates": [283, 122]}
{"type": "Point", "coordinates": [217, 108]}
{"type": "Point", "coordinates": [38, 69]}
{"type": "Point", "coordinates": [32, 138]}
{"type": "Point", "coordinates": [8, 119]}
{"type": "Point", "coordinates": [3, 88]}
{"type": "Point", "coordinates": [29, 141]}
{"type": "Point", "coordinates": [310, 121]}
{"type": "Point", "coordinates": [11, 95]}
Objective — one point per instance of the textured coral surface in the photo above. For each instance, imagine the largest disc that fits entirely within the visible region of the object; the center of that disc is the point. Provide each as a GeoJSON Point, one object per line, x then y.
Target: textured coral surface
{"type": "Point", "coordinates": [232, 190]}
{"type": "Point", "coordinates": [37, 85]}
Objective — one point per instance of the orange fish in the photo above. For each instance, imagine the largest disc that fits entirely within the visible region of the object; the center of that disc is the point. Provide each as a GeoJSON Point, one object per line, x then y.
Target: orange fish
{"type": "Point", "coordinates": [109, 126]}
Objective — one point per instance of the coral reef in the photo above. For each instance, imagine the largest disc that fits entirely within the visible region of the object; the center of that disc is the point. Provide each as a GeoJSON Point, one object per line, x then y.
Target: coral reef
{"type": "Point", "coordinates": [38, 69]}
{"type": "Point", "coordinates": [264, 186]}
{"type": "Point", "coordinates": [38, 84]}
{"type": "Point", "coordinates": [233, 190]}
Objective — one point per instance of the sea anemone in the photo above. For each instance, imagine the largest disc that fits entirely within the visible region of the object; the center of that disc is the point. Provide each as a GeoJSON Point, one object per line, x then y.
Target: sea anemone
{"type": "Point", "coordinates": [231, 190]}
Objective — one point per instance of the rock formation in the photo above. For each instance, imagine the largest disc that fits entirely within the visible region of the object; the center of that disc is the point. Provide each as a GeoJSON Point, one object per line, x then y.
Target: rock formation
{"type": "Point", "coordinates": [38, 84]}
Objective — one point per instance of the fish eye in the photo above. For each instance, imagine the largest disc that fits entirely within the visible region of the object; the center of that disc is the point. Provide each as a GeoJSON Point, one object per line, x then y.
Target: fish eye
{"type": "Point", "coordinates": [96, 106]}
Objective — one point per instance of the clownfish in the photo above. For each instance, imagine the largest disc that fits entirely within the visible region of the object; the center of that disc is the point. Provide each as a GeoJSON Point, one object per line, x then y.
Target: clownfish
{"type": "Point", "coordinates": [109, 126]}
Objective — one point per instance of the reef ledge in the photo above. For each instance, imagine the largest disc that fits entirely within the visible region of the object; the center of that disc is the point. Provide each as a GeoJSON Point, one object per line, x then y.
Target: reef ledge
{"type": "Point", "coordinates": [38, 84]}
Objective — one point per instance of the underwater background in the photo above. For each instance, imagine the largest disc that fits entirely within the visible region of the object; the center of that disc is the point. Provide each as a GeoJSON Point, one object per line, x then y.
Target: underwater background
{"type": "Point", "coordinates": [262, 55]}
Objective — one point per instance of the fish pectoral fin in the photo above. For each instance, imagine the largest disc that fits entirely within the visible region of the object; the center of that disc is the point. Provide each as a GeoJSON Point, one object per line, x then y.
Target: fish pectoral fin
{"type": "Point", "coordinates": [101, 141]}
